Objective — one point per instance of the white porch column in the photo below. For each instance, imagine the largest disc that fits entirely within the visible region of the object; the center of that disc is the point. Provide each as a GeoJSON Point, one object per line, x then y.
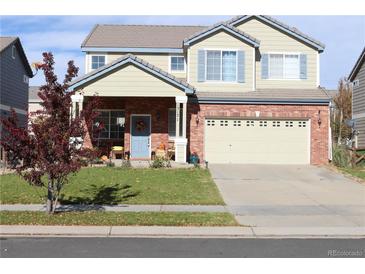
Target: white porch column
{"type": "Point", "coordinates": [177, 124]}
{"type": "Point", "coordinates": [180, 139]}
{"type": "Point", "coordinates": [77, 99]}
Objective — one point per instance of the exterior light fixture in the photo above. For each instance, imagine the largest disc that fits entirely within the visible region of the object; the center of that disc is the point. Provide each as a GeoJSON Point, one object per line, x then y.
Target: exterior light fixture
{"type": "Point", "coordinates": [319, 118]}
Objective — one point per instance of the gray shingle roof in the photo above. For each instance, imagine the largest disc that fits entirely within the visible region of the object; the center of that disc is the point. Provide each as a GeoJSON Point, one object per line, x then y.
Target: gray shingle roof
{"type": "Point", "coordinates": [268, 94]}
{"type": "Point", "coordinates": [139, 61]}
{"type": "Point", "coordinates": [250, 38]}
{"type": "Point", "coordinates": [279, 23]}
{"type": "Point", "coordinates": [139, 36]}
{"type": "Point", "coordinates": [33, 94]}
{"type": "Point", "coordinates": [6, 41]}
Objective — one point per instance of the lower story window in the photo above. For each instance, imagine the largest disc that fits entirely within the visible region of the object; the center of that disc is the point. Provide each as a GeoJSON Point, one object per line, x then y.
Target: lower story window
{"type": "Point", "coordinates": [112, 122]}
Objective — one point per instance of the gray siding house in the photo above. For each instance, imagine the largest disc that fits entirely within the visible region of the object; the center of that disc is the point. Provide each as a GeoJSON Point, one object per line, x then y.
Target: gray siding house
{"type": "Point", "coordinates": [15, 72]}
{"type": "Point", "coordinates": [357, 77]}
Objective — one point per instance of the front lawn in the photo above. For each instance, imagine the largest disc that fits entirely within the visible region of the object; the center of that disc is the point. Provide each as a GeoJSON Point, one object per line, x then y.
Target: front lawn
{"type": "Point", "coordinates": [118, 218]}
{"type": "Point", "coordinates": [357, 172]}
{"type": "Point", "coordinates": [121, 186]}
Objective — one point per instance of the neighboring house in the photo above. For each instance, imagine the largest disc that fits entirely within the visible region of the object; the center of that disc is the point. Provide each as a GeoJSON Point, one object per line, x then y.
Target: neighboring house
{"type": "Point", "coordinates": [34, 102]}
{"type": "Point", "coordinates": [357, 77]}
{"type": "Point", "coordinates": [242, 91]}
{"type": "Point", "coordinates": [15, 72]}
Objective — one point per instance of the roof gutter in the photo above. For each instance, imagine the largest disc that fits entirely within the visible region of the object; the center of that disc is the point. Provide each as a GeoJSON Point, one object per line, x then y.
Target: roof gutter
{"type": "Point", "coordinates": [255, 101]}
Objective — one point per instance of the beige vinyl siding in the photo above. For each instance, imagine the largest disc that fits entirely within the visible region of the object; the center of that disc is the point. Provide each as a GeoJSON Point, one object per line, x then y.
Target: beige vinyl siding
{"type": "Point", "coordinates": [160, 60]}
{"type": "Point", "coordinates": [272, 40]}
{"type": "Point", "coordinates": [221, 41]}
{"type": "Point", "coordinates": [358, 99]}
{"type": "Point", "coordinates": [131, 81]}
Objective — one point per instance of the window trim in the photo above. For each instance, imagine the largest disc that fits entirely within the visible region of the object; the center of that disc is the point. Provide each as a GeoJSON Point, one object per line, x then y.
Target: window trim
{"type": "Point", "coordinates": [283, 53]}
{"type": "Point", "coordinates": [176, 71]}
{"type": "Point", "coordinates": [25, 79]}
{"type": "Point", "coordinates": [221, 72]}
{"type": "Point", "coordinates": [109, 110]}
{"type": "Point", "coordinates": [13, 51]}
{"type": "Point", "coordinates": [90, 65]}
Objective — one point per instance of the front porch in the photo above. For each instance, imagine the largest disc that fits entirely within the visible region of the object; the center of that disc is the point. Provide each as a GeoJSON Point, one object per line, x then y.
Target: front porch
{"type": "Point", "coordinates": [143, 108]}
{"type": "Point", "coordinates": [144, 127]}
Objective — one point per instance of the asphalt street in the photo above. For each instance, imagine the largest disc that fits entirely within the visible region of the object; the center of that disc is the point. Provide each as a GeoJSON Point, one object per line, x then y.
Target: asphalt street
{"type": "Point", "coordinates": [70, 247]}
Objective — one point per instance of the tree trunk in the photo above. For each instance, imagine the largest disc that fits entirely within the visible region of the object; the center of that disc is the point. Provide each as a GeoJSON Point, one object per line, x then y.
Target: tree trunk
{"type": "Point", "coordinates": [50, 197]}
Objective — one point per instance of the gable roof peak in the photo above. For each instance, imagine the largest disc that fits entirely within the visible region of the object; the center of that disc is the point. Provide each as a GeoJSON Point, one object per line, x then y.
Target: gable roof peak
{"type": "Point", "coordinates": [225, 26]}
{"type": "Point", "coordinates": [126, 59]}
{"type": "Point", "coordinates": [282, 26]}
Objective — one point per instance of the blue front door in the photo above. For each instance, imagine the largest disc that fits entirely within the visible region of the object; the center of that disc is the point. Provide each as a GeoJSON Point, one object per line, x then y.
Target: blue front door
{"type": "Point", "coordinates": [141, 131]}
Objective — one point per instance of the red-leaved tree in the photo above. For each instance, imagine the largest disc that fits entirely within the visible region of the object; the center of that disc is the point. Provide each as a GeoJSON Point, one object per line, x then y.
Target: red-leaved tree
{"type": "Point", "coordinates": [50, 149]}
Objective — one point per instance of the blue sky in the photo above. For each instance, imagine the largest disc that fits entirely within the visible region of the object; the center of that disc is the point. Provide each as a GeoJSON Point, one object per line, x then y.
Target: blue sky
{"type": "Point", "coordinates": [344, 37]}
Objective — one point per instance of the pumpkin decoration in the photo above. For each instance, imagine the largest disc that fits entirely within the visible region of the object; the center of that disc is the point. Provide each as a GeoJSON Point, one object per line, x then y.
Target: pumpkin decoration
{"type": "Point", "coordinates": [104, 158]}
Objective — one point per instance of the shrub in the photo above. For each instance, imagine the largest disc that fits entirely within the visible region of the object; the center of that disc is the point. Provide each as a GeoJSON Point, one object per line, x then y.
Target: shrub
{"type": "Point", "coordinates": [160, 162]}
{"type": "Point", "coordinates": [110, 164]}
{"type": "Point", "coordinates": [341, 156]}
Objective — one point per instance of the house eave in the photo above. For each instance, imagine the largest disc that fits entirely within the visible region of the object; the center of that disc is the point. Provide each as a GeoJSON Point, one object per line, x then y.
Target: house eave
{"type": "Point", "coordinates": [254, 101]}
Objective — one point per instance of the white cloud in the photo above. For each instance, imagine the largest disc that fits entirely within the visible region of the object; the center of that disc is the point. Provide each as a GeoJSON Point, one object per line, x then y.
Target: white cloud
{"type": "Point", "coordinates": [45, 41]}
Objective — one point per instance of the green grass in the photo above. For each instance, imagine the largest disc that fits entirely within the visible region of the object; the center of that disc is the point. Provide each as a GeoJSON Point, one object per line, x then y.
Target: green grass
{"type": "Point", "coordinates": [117, 218]}
{"type": "Point", "coordinates": [116, 185]}
{"type": "Point", "coordinates": [357, 172]}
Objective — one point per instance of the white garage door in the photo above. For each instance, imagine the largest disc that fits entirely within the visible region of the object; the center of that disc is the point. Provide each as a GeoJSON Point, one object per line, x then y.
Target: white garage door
{"type": "Point", "coordinates": [257, 141]}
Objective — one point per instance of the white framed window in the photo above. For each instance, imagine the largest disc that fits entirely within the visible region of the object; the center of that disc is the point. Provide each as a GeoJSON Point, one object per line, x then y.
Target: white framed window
{"type": "Point", "coordinates": [97, 61]}
{"type": "Point", "coordinates": [113, 122]}
{"type": "Point", "coordinates": [177, 63]}
{"type": "Point", "coordinates": [13, 51]}
{"type": "Point", "coordinates": [221, 65]}
{"type": "Point", "coordinates": [284, 66]}
{"type": "Point", "coordinates": [25, 79]}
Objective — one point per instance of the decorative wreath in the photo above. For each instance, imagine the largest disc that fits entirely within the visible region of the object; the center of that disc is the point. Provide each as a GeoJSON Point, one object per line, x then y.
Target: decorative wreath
{"type": "Point", "coordinates": [140, 125]}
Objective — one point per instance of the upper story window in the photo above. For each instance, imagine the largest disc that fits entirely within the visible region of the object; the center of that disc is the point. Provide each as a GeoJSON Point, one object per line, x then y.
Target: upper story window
{"type": "Point", "coordinates": [97, 61]}
{"type": "Point", "coordinates": [13, 52]}
{"type": "Point", "coordinates": [221, 65]}
{"type": "Point", "coordinates": [177, 63]}
{"type": "Point", "coordinates": [284, 66]}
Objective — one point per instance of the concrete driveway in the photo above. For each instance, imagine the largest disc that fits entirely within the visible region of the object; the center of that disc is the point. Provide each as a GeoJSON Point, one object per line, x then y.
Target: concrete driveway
{"type": "Point", "coordinates": [290, 196]}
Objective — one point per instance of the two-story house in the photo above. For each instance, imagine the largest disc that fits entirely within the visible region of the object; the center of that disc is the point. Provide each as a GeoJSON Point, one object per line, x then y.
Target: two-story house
{"type": "Point", "coordinates": [242, 91]}
{"type": "Point", "coordinates": [15, 72]}
{"type": "Point", "coordinates": [357, 77]}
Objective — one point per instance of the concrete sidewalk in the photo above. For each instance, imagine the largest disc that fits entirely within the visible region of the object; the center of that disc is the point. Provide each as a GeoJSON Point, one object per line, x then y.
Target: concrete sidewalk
{"type": "Point", "coordinates": [181, 232]}
{"type": "Point", "coordinates": [119, 208]}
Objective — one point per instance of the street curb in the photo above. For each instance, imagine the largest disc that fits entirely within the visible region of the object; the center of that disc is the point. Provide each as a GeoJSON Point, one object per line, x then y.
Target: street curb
{"type": "Point", "coordinates": [181, 232]}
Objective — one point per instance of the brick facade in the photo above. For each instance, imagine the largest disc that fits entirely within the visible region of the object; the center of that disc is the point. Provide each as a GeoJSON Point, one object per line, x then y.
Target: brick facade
{"type": "Point", "coordinates": [319, 134]}
{"type": "Point", "coordinates": [158, 109]}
